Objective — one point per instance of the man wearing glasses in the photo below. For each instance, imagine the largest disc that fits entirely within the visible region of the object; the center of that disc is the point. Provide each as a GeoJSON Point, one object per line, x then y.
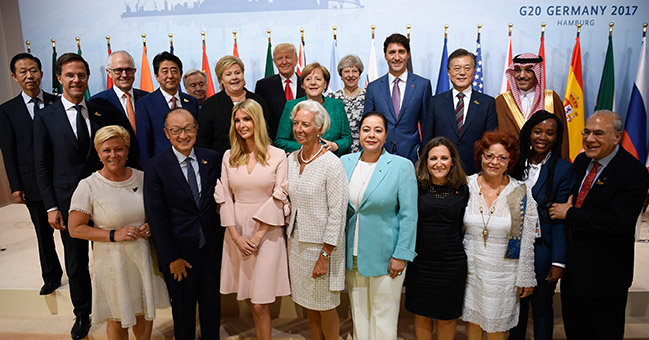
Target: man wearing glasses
{"type": "Point", "coordinates": [461, 114]}
{"type": "Point", "coordinates": [151, 109]}
{"type": "Point", "coordinates": [121, 98]}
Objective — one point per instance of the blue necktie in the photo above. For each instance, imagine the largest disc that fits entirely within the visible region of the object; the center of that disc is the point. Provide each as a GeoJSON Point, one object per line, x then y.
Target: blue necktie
{"type": "Point", "coordinates": [83, 137]}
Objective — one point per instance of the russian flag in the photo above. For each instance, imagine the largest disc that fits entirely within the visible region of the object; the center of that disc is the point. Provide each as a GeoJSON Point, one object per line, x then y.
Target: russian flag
{"type": "Point", "coordinates": [634, 139]}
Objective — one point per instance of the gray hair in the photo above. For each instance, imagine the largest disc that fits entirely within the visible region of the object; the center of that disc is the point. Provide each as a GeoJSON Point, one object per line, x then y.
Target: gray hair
{"type": "Point", "coordinates": [192, 72]}
{"type": "Point", "coordinates": [349, 60]}
{"type": "Point", "coordinates": [122, 52]}
{"type": "Point", "coordinates": [617, 121]}
{"type": "Point", "coordinates": [322, 120]}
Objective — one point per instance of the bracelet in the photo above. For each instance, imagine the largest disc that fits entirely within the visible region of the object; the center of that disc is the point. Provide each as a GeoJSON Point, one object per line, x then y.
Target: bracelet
{"type": "Point", "coordinates": [325, 254]}
{"type": "Point", "coordinates": [111, 235]}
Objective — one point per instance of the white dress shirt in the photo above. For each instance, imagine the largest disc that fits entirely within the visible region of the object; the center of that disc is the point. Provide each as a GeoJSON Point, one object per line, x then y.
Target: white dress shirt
{"type": "Point", "coordinates": [402, 85]}
{"type": "Point", "coordinates": [71, 112]}
{"type": "Point", "coordinates": [527, 102]}
{"type": "Point", "coordinates": [466, 99]}
{"type": "Point", "coordinates": [168, 98]}
{"type": "Point", "coordinates": [30, 105]}
{"type": "Point", "coordinates": [357, 186]}
{"type": "Point", "coordinates": [183, 165]}
{"type": "Point", "coordinates": [292, 84]}
{"type": "Point", "coordinates": [122, 98]}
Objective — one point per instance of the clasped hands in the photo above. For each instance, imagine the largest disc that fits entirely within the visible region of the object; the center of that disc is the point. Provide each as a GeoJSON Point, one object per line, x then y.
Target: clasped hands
{"type": "Point", "coordinates": [132, 233]}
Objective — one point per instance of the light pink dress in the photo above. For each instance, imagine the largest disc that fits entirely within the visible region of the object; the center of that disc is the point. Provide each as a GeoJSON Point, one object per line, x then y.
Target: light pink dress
{"type": "Point", "coordinates": [245, 200]}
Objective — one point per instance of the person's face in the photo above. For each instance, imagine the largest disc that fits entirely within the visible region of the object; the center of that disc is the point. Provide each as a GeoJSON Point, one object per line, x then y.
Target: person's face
{"type": "Point", "coordinates": [305, 128]}
{"type": "Point", "coordinates": [439, 163]}
{"type": "Point", "coordinates": [168, 76]}
{"type": "Point", "coordinates": [350, 76]}
{"type": "Point", "coordinates": [74, 80]}
{"type": "Point", "coordinates": [113, 154]}
{"type": "Point", "coordinates": [525, 77]}
{"type": "Point", "coordinates": [232, 79]}
{"type": "Point", "coordinates": [314, 84]}
{"type": "Point", "coordinates": [543, 136]}
{"type": "Point", "coordinates": [181, 131]}
{"type": "Point", "coordinates": [461, 72]}
{"type": "Point", "coordinates": [495, 160]}
{"type": "Point", "coordinates": [122, 71]}
{"type": "Point", "coordinates": [244, 125]}
{"type": "Point", "coordinates": [27, 75]}
{"type": "Point", "coordinates": [599, 137]}
{"type": "Point", "coordinates": [372, 134]}
{"type": "Point", "coordinates": [196, 87]}
{"type": "Point", "coordinates": [397, 58]}
{"type": "Point", "coordinates": [285, 62]}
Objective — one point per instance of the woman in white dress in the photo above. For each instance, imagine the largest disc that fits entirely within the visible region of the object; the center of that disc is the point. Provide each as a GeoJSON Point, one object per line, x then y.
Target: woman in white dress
{"type": "Point", "coordinates": [499, 225]}
{"type": "Point", "coordinates": [125, 289]}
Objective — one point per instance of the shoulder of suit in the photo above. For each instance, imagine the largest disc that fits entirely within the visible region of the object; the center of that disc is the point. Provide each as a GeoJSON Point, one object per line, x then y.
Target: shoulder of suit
{"type": "Point", "coordinates": [483, 96]}
{"type": "Point", "coordinates": [206, 153]}
{"type": "Point", "coordinates": [417, 77]}
{"type": "Point", "coordinates": [102, 94]}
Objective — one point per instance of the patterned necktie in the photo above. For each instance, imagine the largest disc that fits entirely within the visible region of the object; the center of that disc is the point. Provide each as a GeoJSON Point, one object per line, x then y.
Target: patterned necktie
{"type": "Point", "coordinates": [174, 103]}
{"type": "Point", "coordinates": [396, 97]}
{"type": "Point", "coordinates": [129, 110]}
{"type": "Point", "coordinates": [588, 182]}
{"type": "Point", "coordinates": [459, 111]}
{"type": "Point", "coordinates": [193, 186]}
{"type": "Point", "coordinates": [287, 90]}
{"type": "Point", "coordinates": [83, 137]}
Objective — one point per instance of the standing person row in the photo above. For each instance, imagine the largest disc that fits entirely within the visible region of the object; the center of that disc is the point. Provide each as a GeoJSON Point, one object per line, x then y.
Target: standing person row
{"type": "Point", "coordinates": [350, 68]}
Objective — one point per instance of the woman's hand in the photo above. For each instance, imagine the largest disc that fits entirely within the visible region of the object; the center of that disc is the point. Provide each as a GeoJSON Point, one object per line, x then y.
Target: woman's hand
{"type": "Point", "coordinates": [321, 267]}
{"type": "Point", "coordinates": [245, 246]}
{"type": "Point", "coordinates": [127, 233]}
{"type": "Point", "coordinates": [396, 267]}
{"type": "Point", "coordinates": [331, 146]}
{"type": "Point", "coordinates": [144, 230]}
{"type": "Point", "coordinates": [525, 291]}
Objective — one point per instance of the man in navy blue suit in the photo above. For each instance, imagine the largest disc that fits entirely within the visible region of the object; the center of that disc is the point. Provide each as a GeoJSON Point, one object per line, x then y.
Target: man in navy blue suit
{"type": "Point", "coordinates": [121, 97]}
{"type": "Point", "coordinates": [151, 109]}
{"type": "Point", "coordinates": [178, 199]}
{"type": "Point", "coordinates": [402, 97]}
{"type": "Point", "coordinates": [461, 114]}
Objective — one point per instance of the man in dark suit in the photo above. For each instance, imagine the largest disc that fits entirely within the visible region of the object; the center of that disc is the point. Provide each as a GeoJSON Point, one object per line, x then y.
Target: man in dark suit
{"type": "Point", "coordinates": [601, 219]}
{"type": "Point", "coordinates": [64, 155]}
{"type": "Point", "coordinates": [282, 87]}
{"type": "Point", "coordinates": [17, 143]}
{"type": "Point", "coordinates": [178, 199]}
{"type": "Point", "coordinates": [461, 114]}
{"type": "Point", "coordinates": [151, 109]}
{"type": "Point", "coordinates": [122, 98]}
{"type": "Point", "coordinates": [402, 97]}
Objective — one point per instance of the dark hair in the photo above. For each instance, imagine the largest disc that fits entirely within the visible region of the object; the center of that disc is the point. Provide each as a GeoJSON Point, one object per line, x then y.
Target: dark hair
{"type": "Point", "coordinates": [178, 109]}
{"type": "Point", "coordinates": [505, 138]}
{"type": "Point", "coordinates": [460, 52]}
{"type": "Point", "coordinates": [21, 56]}
{"type": "Point", "coordinates": [67, 58]}
{"type": "Point", "coordinates": [521, 170]}
{"type": "Point", "coordinates": [456, 176]}
{"type": "Point", "coordinates": [166, 56]}
{"type": "Point", "coordinates": [397, 39]}
{"type": "Point", "coordinates": [375, 114]}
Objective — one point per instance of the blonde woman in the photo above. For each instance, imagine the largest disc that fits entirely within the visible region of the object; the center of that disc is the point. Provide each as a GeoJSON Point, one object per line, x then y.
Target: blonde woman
{"type": "Point", "coordinates": [254, 208]}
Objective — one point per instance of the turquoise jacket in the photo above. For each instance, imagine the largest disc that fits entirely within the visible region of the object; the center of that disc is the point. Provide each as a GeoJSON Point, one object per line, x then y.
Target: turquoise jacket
{"type": "Point", "coordinates": [387, 215]}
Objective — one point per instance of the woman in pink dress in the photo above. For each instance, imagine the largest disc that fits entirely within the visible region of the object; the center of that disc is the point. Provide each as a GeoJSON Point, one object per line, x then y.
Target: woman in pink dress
{"type": "Point", "coordinates": [254, 207]}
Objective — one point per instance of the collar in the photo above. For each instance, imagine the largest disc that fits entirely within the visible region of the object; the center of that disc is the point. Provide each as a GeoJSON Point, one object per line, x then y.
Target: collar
{"type": "Point", "coordinates": [528, 93]}
{"type": "Point", "coordinates": [467, 92]}
{"type": "Point", "coordinates": [27, 98]}
{"type": "Point", "coordinates": [607, 159]}
{"type": "Point", "coordinates": [403, 77]}
{"type": "Point", "coordinates": [68, 104]}
{"type": "Point", "coordinates": [180, 157]}
{"type": "Point", "coordinates": [293, 78]}
{"type": "Point", "coordinates": [120, 93]}
{"type": "Point", "coordinates": [167, 97]}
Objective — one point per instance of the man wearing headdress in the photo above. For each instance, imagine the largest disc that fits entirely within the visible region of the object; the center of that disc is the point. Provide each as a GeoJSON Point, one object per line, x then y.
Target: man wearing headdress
{"type": "Point", "coordinates": [526, 96]}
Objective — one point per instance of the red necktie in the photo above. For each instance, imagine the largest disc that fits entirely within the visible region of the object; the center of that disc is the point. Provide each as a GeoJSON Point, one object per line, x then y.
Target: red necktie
{"type": "Point", "coordinates": [287, 90]}
{"type": "Point", "coordinates": [588, 182]}
{"type": "Point", "coordinates": [174, 103]}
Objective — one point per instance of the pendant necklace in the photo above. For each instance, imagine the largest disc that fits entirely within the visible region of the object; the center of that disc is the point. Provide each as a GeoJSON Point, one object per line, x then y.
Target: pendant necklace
{"type": "Point", "coordinates": [312, 157]}
{"type": "Point", "coordinates": [485, 231]}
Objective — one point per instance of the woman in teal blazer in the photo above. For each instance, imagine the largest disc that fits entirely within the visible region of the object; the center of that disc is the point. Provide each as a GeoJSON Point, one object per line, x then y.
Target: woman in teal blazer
{"type": "Point", "coordinates": [338, 139]}
{"type": "Point", "coordinates": [381, 230]}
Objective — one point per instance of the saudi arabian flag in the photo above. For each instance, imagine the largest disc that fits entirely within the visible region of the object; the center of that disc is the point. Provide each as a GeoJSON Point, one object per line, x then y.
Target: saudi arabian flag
{"type": "Point", "coordinates": [269, 61]}
{"type": "Point", "coordinates": [606, 94]}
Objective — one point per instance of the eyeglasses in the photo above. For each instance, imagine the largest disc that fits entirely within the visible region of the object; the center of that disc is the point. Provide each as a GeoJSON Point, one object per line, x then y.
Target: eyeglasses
{"type": "Point", "coordinates": [596, 133]}
{"type": "Point", "coordinates": [489, 157]}
{"type": "Point", "coordinates": [128, 70]}
{"type": "Point", "coordinates": [458, 69]}
{"type": "Point", "coordinates": [176, 131]}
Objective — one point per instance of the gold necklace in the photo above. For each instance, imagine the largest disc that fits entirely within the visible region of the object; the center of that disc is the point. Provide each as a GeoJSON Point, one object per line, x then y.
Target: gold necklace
{"type": "Point", "coordinates": [485, 231]}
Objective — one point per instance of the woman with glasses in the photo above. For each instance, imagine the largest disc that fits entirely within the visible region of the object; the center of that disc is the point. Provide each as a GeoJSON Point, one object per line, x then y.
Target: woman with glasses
{"type": "Point", "coordinates": [499, 225]}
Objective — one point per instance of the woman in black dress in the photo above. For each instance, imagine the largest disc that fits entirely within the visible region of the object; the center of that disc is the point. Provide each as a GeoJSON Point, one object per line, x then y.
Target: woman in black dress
{"type": "Point", "coordinates": [437, 277]}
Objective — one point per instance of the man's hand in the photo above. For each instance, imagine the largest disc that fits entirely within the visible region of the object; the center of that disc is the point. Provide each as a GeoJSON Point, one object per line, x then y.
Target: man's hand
{"type": "Point", "coordinates": [558, 211]}
{"type": "Point", "coordinates": [177, 268]}
{"type": "Point", "coordinates": [555, 274]}
{"type": "Point", "coordinates": [19, 196]}
{"type": "Point", "coordinates": [55, 219]}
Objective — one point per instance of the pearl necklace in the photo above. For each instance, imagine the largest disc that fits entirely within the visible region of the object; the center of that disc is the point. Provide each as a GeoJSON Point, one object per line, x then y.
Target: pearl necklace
{"type": "Point", "coordinates": [312, 157]}
{"type": "Point", "coordinates": [485, 231]}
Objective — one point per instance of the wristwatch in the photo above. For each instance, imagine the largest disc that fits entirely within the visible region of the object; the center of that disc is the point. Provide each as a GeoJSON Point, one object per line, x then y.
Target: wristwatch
{"type": "Point", "coordinates": [325, 254]}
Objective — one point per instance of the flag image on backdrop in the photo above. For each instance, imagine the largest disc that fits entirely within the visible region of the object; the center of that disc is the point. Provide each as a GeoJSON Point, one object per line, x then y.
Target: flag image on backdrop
{"type": "Point", "coordinates": [504, 86]}
{"type": "Point", "coordinates": [606, 93]}
{"type": "Point", "coordinates": [205, 66]}
{"type": "Point", "coordinates": [409, 63]}
{"type": "Point", "coordinates": [478, 78]}
{"type": "Point", "coordinates": [235, 50]}
{"type": "Point", "coordinates": [146, 83]}
{"type": "Point", "coordinates": [269, 59]}
{"type": "Point", "coordinates": [442, 79]}
{"type": "Point", "coordinates": [573, 100]}
{"type": "Point", "coordinates": [56, 86]}
{"type": "Point", "coordinates": [335, 83]}
{"type": "Point", "coordinates": [87, 93]}
{"type": "Point", "coordinates": [542, 54]}
{"type": "Point", "coordinates": [635, 132]}
{"type": "Point", "coordinates": [372, 71]}
{"type": "Point", "coordinates": [109, 80]}
{"type": "Point", "coordinates": [301, 58]}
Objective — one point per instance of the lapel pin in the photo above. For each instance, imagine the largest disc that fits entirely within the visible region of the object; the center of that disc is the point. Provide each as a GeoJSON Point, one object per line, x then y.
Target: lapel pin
{"type": "Point", "coordinates": [476, 102]}
{"type": "Point", "coordinates": [185, 100]}
{"type": "Point", "coordinates": [97, 114]}
{"type": "Point", "coordinates": [600, 181]}
{"type": "Point", "coordinates": [412, 85]}
{"type": "Point", "coordinates": [203, 161]}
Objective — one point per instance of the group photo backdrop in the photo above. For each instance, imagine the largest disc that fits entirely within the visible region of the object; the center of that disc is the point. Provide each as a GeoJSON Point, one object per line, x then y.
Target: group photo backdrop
{"type": "Point", "coordinates": [126, 20]}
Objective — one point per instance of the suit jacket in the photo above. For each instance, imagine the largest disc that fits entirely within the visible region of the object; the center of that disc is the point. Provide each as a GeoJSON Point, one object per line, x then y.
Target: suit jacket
{"type": "Point", "coordinates": [17, 143]}
{"type": "Point", "coordinates": [601, 245]}
{"type": "Point", "coordinates": [149, 120]}
{"type": "Point", "coordinates": [479, 118]}
{"type": "Point", "coordinates": [403, 131]}
{"type": "Point", "coordinates": [108, 99]}
{"type": "Point", "coordinates": [172, 213]}
{"type": "Point", "coordinates": [60, 164]}
{"type": "Point", "coordinates": [214, 120]}
{"type": "Point", "coordinates": [272, 90]}
{"type": "Point", "coordinates": [387, 215]}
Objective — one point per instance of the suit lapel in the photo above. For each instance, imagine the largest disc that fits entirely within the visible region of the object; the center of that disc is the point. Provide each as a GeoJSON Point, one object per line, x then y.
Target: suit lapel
{"type": "Point", "coordinates": [177, 172]}
{"type": "Point", "coordinates": [408, 93]}
{"type": "Point", "coordinates": [604, 177]}
{"type": "Point", "coordinates": [61, 118]}
{"type": "Point", "coordinates": [112, 98]}
{"type": "Point", "coordinates": [447, 100]}
{"type": "Point", "coordinates": [21, 112]}
{"type": "Point", "coordinates": [537, 190]}
{"type": "Point", "coordinates": [203, 170]}
{"type": "Point", "coordinates": [381, 169]}
{"type": "Point", "coordinates": [300, 90]}
{"type": "Point", "coordinates": [385, 88]}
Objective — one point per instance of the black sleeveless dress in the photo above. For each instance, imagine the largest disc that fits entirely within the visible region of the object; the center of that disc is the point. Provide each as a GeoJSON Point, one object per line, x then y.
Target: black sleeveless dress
{"type": "Point", "coordinates": [436, 279]}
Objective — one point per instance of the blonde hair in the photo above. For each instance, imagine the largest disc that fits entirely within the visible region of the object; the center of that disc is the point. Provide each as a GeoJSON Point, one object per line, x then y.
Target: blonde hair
{"type": "Point", "coordinates": [239, 149]}
{"type": "Point", "coordinates": [284, 47]}
{"type": "Point", "coordinates": [223, 64]}
{"type": "Point", "coordinates": [322, 120]}
{"type": "Point", "coordinates": [111, 131]}
{"type": "Point", "coordinates": [308, 69]}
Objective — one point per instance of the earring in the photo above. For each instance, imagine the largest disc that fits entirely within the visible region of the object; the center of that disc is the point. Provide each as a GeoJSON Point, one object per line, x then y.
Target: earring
{"type": "Point", "coordinates": [531, 148]}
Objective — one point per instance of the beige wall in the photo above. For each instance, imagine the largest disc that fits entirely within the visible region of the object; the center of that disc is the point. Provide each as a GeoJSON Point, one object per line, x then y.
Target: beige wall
{"type": "Point", "coordinates": [11, 42]}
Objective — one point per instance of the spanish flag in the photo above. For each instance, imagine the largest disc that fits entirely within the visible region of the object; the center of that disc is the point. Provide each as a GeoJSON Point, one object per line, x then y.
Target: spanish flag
{"type": "Point", "coordinates": [573, 102]}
